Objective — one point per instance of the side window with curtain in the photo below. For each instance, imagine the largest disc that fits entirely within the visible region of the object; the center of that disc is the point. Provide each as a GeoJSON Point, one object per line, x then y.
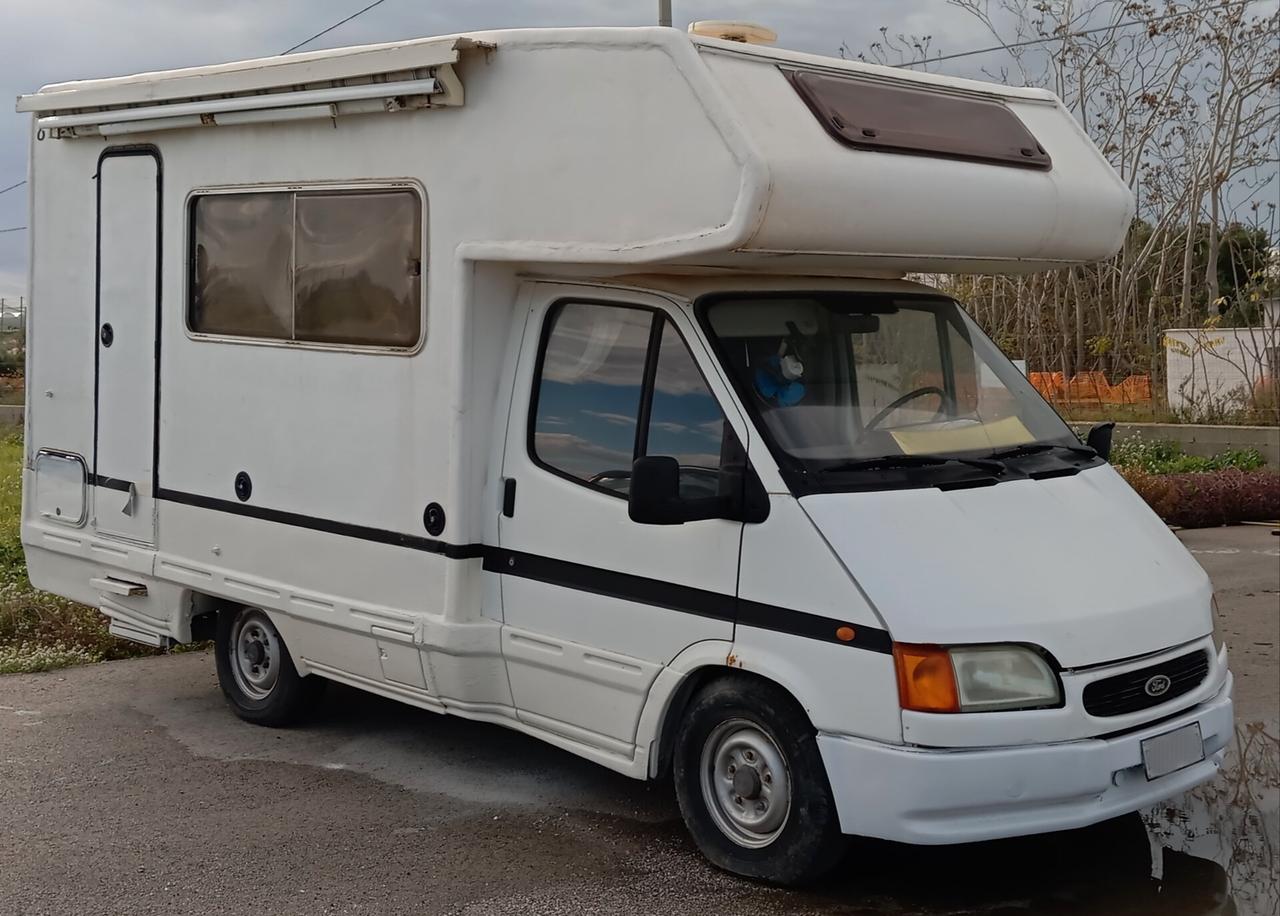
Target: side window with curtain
{"type": "Point", "coordinates": [616, 383]}
{"type": "Point", "coordinates": [329, 267]}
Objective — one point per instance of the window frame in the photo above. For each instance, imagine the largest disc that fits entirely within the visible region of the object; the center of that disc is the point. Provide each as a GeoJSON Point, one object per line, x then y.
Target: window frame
{"type": "Point", "coordinates": [644, 410]}
{"type": "Point", "coordinates": [812, 87]}
{"type": "Point", "coordinates": [354, 187]}
{"type": "Point", "coordinates": [792, 470]}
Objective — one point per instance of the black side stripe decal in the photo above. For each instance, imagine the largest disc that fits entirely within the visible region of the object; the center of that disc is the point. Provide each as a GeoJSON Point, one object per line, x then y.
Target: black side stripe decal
{"type": "Point", "coordinates": [812, 626]}
{"type": "Point", "coordinates": [577, 576]}
{"type": "Point", "coordinates": [328, 526]}
{"type": "Point", "coordinates": [683, 598]}
{"type": "Point", "coordinates": [111, 483]}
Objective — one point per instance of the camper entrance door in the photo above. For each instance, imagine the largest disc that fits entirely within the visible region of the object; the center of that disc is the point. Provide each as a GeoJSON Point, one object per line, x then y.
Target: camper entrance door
{"type": "Point", "coordinates": [127, 351]}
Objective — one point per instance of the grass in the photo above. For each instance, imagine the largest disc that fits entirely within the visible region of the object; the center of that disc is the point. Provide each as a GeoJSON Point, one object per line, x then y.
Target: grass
{"type": "Point", "coordinates": [40, 631]}
{"type": "Point", "coordinates": [1164, 457]}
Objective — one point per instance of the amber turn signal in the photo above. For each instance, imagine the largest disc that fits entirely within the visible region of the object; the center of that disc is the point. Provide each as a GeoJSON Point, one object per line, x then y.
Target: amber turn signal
{"type": "Point", "coordinates": [926, 681]}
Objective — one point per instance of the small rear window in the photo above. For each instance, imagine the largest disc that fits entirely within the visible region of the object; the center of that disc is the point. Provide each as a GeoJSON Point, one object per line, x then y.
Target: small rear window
{"type": "Point", "coordinates": [903, 119]}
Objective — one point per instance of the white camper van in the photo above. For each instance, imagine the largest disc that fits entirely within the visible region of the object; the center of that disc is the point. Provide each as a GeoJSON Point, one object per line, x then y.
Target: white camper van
{"type": "Point", "coordinates": [568, 380]}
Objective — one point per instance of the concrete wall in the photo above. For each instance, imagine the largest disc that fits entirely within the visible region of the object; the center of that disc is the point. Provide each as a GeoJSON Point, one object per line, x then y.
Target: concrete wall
{"type": "Point", "coordinates": [10, 415]}
{"type": "Point", "coordinates": [1219, 368]}
{"type": "Point", "coordinates": [1203, 440]}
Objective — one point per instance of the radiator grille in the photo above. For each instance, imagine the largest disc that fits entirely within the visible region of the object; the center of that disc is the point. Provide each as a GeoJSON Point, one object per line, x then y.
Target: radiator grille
{"type": "Point", "coordinates": [1124, 693]}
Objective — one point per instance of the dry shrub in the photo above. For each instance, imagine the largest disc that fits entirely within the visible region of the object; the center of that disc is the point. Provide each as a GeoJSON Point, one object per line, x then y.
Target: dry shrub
{"type": "Point", "coordinates": [1209, 499]}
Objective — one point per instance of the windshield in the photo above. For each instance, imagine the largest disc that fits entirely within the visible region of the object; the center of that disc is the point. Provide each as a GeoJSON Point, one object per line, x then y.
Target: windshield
{"type": "Point", "coordinates": [839, 377]}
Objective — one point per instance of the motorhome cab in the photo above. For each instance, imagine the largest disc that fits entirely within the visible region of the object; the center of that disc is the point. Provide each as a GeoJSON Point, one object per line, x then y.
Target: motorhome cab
{"type": "Point", "coordinates": [568, 380]}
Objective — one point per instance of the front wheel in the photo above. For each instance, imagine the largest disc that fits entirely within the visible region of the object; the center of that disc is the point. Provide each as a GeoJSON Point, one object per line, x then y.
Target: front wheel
{"type": "Point", "coordinates": [751, 785]}
{"type": "Point", "coordinates": [255, 671]}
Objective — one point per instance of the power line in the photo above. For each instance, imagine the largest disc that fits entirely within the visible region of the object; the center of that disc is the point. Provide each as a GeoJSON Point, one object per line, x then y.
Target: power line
{"type": "Point", "coordinates": [308, 41]}
{"type": "Point", "coordinates": [1082, 32]}
{"type": "Point", "coordinates": [332, 27]}
{"type": "Point", "coordinates": [14, 229]}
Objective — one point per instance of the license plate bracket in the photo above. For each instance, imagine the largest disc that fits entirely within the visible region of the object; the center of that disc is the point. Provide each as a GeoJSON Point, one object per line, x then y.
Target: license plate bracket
{"type": "Point", "coordinates": [1172, 751]}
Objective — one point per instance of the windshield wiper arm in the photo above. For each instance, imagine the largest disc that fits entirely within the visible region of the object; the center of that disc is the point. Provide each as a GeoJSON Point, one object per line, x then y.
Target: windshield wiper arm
{"type": "Point", "coordinates": [888, 462]}
{"type": "Point", "coordinates": [1033, 448]}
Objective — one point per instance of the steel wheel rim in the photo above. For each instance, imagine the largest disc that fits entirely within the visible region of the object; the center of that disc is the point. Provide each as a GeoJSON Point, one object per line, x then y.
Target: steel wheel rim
{"type": "Point", "coordinates": [255, 654]}
{"type": "Point", "coordinates": [746, 783]}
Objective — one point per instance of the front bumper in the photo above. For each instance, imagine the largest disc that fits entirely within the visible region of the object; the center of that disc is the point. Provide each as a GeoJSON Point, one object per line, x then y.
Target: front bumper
{"type": "Point", "coordinates": [939, 796]}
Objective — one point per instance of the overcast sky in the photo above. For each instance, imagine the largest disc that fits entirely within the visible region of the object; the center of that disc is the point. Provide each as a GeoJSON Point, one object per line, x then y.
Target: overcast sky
{"type": "Point", "coordinates": [44, 41]}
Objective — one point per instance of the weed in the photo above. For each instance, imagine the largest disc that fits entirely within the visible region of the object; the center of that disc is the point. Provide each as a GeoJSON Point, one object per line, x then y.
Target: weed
{"type": "Point", "coordinates": [1157, 456]}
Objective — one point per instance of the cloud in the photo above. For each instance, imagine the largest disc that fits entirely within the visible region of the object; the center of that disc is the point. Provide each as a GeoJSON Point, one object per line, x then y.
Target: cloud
{"type": "Point", "coordinates": [617, 419]}
{"type": "Point", "coordinates": [577, 455]}
{"type": "Point", "coordinates": [592, 344]}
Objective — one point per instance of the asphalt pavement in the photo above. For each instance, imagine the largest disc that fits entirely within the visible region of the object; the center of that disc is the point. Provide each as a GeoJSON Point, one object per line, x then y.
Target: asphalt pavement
{"type": "Point", "coordinates": [129, 787]}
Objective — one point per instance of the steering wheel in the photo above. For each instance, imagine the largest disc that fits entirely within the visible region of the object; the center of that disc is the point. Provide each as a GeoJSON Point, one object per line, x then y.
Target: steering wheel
{"type": "Point", "coordinates": [909, 396]}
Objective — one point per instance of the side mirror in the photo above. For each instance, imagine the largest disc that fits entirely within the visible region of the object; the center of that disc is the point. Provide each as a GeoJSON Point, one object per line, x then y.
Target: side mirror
{"type": "Point", "coordinates": [654, 496]}
{"type": "Point", "coordinates": [1099, 439]}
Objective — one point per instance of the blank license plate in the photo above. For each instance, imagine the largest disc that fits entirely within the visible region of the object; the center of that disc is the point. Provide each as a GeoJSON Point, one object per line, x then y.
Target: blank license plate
{"type": "Point", "coordinates": [1172, 751]}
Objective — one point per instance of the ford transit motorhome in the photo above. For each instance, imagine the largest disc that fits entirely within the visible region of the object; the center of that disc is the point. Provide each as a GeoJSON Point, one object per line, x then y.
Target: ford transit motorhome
{"type": "Point", "coordinates": [569, 380]}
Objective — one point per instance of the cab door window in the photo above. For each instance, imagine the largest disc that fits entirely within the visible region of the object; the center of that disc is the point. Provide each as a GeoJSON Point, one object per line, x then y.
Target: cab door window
{"type": "Point", "coordinates": [615, 383]}
{"type": "Point", "coordinates": [685, 421]}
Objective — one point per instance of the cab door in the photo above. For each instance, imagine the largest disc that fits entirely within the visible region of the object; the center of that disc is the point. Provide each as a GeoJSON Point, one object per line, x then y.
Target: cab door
{"type": "Point", "coordinates": [595, 604]}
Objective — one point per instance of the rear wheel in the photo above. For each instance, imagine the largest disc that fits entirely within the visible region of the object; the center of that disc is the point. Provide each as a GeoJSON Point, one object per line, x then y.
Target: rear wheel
{"type": "Point", "coordinates": [256, 672]}
{"type": "Point", "coordinates": [751, 784]}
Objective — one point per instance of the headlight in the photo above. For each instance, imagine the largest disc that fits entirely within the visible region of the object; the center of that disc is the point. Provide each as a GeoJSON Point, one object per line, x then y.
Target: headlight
{"type": "Point", "coordinates": [973, 678]}
{"type": "Point", "coordinates": [1003, 677]}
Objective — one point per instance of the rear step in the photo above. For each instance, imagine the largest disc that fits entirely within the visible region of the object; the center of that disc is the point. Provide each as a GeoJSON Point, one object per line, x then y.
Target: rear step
{"type": "Point", "coordinates": [113, 586]}
{"type": "Point", "coordinates": [130, 622]}
{"type": "Point", "coordinates": [146, 637]}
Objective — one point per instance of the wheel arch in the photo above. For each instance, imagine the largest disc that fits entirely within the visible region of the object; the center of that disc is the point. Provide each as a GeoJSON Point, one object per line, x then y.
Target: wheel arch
{"type": "Point", "coordinates": [677, 684]}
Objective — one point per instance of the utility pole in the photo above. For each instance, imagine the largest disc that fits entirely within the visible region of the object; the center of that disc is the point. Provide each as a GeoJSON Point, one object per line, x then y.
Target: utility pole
{"type": "Point", "coordinates": [664, 13]}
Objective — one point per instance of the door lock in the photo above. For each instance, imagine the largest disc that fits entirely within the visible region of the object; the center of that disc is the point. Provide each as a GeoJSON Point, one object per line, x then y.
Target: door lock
{"type": "Point", "coordinates": [106, 335]}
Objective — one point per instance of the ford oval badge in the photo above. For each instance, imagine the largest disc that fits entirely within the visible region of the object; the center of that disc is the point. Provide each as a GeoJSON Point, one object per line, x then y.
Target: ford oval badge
{"type": "Point", "coordinates": [1157, 686]}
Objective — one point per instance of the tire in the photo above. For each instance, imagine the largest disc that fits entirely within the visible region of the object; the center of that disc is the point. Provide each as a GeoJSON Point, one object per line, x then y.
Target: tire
{"type": "Point", "coordinates": [256, 672]}
{"type": "Point", "coordinates": [757, 729]}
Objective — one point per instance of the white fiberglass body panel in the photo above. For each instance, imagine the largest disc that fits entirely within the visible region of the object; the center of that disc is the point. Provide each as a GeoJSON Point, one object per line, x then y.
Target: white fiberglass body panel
{"type": "Point", "coordinates": [1077, 565]}
{"type": "Point", "coordinates": [883, 210]}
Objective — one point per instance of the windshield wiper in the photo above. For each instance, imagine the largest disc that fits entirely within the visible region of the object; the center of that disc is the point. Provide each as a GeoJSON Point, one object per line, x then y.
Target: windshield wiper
{"type": "Point", "coordinates": [888, 462]}
{"type": "Point", "coordinates": [1034, 448]}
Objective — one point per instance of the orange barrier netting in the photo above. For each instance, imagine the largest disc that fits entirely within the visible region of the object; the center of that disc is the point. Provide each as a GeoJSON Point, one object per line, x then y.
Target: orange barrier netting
{"type": "Point", "coordinates": [1091, 388]}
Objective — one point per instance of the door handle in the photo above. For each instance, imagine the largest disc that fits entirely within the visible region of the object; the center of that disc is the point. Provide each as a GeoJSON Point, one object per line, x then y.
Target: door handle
{"type": "Point", "coordinates": [509, 496]}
